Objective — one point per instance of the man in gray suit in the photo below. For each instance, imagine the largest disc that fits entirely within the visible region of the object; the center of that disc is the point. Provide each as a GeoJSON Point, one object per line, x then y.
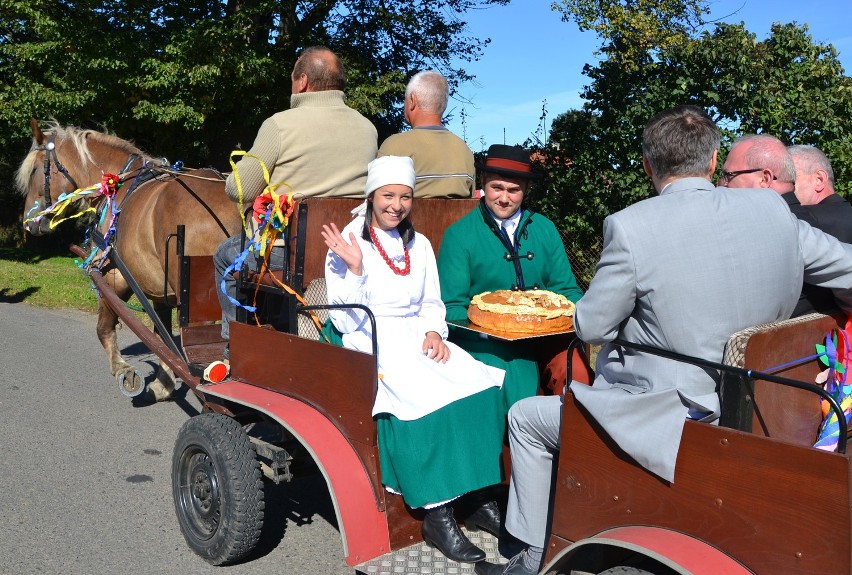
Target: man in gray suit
{"type": "Point", "coordinates": [682, 272]}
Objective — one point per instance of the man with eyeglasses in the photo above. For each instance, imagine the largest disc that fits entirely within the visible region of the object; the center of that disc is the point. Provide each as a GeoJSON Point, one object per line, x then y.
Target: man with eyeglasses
{"type": "Point", "coordinates": [763, 161]}
{"type": "Point", "coordinates": [759, 161]}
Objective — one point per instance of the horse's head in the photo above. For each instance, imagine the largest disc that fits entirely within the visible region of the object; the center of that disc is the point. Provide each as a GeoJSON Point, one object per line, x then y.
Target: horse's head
{"type": "Point", "coordinates": [62, 160]}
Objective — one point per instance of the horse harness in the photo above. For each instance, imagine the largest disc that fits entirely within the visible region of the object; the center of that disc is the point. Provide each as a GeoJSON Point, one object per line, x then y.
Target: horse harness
{"type": "Point", "coordinates": [140, 175]}
{"type": "Point", "coordinates": [49, 149]}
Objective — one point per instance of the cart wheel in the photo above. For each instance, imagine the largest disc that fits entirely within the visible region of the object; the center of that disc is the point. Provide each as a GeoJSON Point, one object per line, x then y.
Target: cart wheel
{"type": "Point", "coordinates": [217, 488]}
{"type": "Point", "coordinates": [130, 383]}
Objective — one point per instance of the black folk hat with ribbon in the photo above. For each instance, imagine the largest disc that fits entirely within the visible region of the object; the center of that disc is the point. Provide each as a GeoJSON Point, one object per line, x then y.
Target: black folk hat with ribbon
{"type": "Point", "coordinates": [512, 161]}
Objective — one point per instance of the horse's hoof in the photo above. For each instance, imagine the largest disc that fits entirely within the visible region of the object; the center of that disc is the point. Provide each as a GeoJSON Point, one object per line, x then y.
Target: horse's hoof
{"type": "Point", "coordinates": [158, 392]}
{"type": "Point", "coordinates": [130, 383]}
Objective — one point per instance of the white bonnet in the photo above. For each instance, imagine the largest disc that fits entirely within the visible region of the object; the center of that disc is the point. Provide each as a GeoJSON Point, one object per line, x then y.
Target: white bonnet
{"type": "Point", "coordinates": [388, 170]}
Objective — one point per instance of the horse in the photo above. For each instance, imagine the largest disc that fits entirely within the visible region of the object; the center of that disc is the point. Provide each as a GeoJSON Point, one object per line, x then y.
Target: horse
{"type": "Point", "coordinates": [152, 199]}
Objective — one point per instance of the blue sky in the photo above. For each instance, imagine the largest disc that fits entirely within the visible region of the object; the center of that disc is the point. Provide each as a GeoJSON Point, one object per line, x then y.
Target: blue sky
{"type": "Point", "coordinates": [534, 56]}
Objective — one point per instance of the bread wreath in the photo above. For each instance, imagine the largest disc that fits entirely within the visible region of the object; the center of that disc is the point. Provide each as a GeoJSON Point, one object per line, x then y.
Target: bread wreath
{"type": "Point", "coordinates": [531, 311]}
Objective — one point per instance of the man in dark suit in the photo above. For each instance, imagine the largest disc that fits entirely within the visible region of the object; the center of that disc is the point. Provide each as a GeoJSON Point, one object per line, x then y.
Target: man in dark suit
{"type": "Point", "coordinates": [815, 190]}
{"type": "Point", "coordinates": [682, 272]}
{"type": "Point", "coordinates": [822, 208]}
{"type": "Point", "coordinates": [763, 161]}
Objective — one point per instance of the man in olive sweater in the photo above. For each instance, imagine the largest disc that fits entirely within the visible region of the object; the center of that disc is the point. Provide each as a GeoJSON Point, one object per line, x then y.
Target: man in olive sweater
{"type": "Point", "coordinates": [318, 147]}
{"type": "Point", "coordinates": [501, 245]}
{"type": "Point", "coordinates": [442, 161]}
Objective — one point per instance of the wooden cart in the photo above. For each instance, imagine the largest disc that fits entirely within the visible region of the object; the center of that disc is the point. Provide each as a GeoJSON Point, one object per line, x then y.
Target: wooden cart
{"type": "Point", "coordinates": [751, 496]}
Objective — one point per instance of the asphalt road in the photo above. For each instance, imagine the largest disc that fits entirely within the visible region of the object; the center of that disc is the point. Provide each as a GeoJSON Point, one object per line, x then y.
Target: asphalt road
{"type": "Point", "coordinates": [85, 477]}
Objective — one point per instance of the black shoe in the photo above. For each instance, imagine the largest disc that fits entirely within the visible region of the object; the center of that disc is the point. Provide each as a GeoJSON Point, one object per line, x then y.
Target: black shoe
{"type": "Point", "coordinates": [515, 566]}
{"type": "Point", "coordinates": [485, 517]}
{"type": "Point", "coordinates": [441, 531]}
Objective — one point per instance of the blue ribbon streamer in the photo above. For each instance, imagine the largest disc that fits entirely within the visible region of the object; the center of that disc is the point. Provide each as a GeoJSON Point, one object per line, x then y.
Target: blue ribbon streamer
{"type": "Point", "coordinates": [241, 258]}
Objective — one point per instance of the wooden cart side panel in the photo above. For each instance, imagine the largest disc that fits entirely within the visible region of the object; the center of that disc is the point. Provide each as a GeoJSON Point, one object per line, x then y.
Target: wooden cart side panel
{"type": "Point", "coordinates": [199, 293]}
{"type": "Point", "coordinates": [403, 522]}
{"type": "Point", "coordinates": [363, 526]}
{"type": "Point", "coordinates": [777, 508]}
{"type": "Point", "coordinates": [786, 413]}
{"type": "Point", "coordinates": [338, 382]}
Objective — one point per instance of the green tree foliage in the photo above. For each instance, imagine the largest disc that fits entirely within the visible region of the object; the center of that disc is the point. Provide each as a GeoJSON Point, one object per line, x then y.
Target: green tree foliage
{"type": "Point", "coordinates": [786, 85]}
{"type": "Point", "coordinates": [194, 79]}
{"type": "Point", "coordinates": [631, 30]}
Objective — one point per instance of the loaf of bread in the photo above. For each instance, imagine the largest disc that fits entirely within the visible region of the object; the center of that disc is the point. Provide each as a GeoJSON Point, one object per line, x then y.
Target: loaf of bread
{"type": "Point", "coordinates": [533, 311]}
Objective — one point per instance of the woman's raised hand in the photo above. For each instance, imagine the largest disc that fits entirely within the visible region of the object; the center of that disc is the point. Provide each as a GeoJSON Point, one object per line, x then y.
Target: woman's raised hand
{"type": "Point", "coordinates": [349, 252]}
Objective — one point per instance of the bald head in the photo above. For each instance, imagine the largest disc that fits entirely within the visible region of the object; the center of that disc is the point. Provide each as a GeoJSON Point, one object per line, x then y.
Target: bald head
{"type": "Point", "coordinates": [318, 69]}
{"type": "Point", "coordinates": [814, 176]}
{"type": "Point", "coordinates": [759, 161]}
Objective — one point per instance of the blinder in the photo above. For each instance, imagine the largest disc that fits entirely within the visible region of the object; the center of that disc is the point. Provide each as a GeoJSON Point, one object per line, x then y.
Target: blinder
{"type": "Point", "coordinates": [49, 150]}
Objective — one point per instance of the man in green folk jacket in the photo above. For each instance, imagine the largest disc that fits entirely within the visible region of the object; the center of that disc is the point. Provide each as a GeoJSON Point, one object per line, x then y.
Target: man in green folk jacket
{"type": "Point", "coordinates": [502, 245]}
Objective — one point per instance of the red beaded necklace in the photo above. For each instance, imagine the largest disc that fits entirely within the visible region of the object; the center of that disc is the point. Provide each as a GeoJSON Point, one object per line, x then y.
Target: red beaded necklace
{"type": "Point", "coordinates": [400, 272]}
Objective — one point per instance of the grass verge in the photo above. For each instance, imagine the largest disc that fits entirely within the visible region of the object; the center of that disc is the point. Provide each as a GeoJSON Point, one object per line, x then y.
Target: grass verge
{"type": "Point", "coordinates": [51, 280]}
{"type": "Point", "coordinates": [38, 279]}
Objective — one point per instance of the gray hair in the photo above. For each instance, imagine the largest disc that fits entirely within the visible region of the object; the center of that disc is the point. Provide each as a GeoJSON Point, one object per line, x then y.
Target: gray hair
{"type": "Point", "coordinates": [431, 89]}
{"type": "Point", "coordinates": [680, 142]}
{"type": "Point", "coordinates": [768, 152]}
{"type": "Point", "coordinates": [812, 160]}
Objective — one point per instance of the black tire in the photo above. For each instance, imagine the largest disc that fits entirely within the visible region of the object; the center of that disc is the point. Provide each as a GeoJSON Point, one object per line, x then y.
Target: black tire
{"type": "Point", "coordinates": [217, 488]}
{"type": "Point", "coordinates": [625, 571]}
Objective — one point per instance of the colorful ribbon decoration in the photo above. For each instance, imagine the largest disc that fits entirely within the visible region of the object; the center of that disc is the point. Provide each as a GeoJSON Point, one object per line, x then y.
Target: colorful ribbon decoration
{"type": "Point", "coordinates": [107, 187]}
{"type": "Point", "coordinates": [270, 188]}
{"type": "Point", "coordinates": [268, 206]}
{"type": "Point", "coordinates": [271, 212]}
{"type": "Point", "coordinates": [62, 202]}
{"type": "Point", "coordinates": [834, 354]}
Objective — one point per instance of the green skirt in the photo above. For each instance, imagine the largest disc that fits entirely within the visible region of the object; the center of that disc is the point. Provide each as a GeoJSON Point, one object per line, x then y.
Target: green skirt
{"type": "Point", "coordinates": [447, 453]}
{"type": "Point", "coordinates": [516, 358]}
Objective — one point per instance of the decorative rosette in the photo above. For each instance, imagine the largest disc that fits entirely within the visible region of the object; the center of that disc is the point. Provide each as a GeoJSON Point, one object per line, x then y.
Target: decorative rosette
{"type": "Point", "coordinates": [273, 208]}
{"type": "Point", "coordinates": [109, 185]}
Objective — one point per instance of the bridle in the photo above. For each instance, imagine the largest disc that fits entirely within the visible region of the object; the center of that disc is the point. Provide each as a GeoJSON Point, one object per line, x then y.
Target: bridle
{"type": "Point", "coordinates": [49, 150]}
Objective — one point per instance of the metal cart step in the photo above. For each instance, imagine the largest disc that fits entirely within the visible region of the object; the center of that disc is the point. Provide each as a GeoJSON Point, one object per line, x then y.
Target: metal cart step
{"type": "Point", "coordinates": [424, 560]}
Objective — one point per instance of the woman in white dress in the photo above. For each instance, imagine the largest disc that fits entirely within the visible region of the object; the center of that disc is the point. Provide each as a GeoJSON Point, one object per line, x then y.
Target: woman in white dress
{"type": "Point", "coordinates": [437, 409]}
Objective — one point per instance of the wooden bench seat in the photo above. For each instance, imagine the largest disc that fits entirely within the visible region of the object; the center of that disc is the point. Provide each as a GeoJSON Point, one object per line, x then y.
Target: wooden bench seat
{"type": "Point", "coordinates": [430, 217]}
{"type": "Point", "coordinates": [770, 409]}
{"type": "Point", "coordinates": [199, 311]}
